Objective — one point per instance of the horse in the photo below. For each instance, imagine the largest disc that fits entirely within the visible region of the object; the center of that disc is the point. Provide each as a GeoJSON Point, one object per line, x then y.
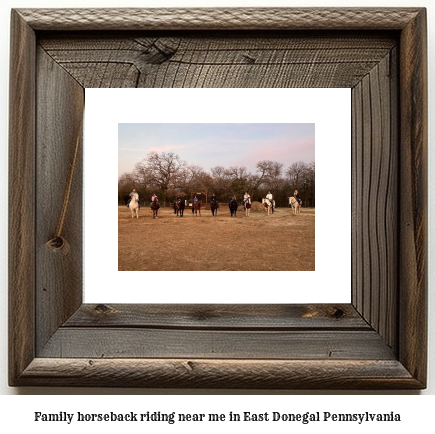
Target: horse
{"type": "Point", "coordinates": [295, 205]}
{"type": "Point", "coordinates": [248, 206]}
{"type": "Point", "coordinates": [214, 205]}
{"type": "Point", "coordinates": [233, 207]}
{"type": "Point", "coordinates": [268, 205]}
{"type": "Point", "coordinates": [196, 208]}
{"type": "Point", "coordinates": [155, 205]}
{"type": "Point", "coordinates": [134, 205]}
{"type": "Point", "coordinates": [179, 207]}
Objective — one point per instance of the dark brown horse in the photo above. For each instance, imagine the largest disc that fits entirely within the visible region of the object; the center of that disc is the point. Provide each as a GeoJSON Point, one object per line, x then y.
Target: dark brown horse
{"type": "Point", "coordinates": [214, 205]}
{"type": "Point", "coordinates": [179, 207]}
{"type": "Point", "coordinates": [233, 207]}
{"type": "Point", "coordinates": [155, 205]}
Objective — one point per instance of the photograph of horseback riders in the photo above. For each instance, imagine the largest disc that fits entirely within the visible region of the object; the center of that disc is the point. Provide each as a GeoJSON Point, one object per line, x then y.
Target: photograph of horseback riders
{"type": "Point", "coordinates": [216, 197]}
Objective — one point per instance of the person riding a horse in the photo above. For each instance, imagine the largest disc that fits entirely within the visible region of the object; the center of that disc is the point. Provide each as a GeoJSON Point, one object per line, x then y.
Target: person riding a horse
{"type": "Point", "coordinates": [246, 198]}
{"type": "Point", "coordinates": [296, 196]}
{"type": "Point", "coordinates": [214, 204]}
{"type": "Point", "coordinates": [233, 206]}
{"type": "Point", "coordinates": [132, 194]}
{"type": "Point", "coordinates": [270, 197]}
{"type": "Point", "coordinates": [153, 198]}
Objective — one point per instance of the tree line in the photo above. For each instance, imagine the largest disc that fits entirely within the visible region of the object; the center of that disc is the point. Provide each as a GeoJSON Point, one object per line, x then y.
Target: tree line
{"type": "Point", "coordinates": [168, 176]}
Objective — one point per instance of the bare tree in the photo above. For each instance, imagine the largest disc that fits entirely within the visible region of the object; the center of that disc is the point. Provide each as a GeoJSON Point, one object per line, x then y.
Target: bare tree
{"type": "Point", "coordinates": [163, 171]}
{"type": "Point", "coordinates": [268, 172]}
{"type": "Point", "coordinates": [294, 173]}
{"type": "Point", "coordinates": [239, 177]}
{"type": "Point", "coordinates": [222, 181]}
{"type": "Point", "coordinates": [301, 177]}
{"type": "Point", "coordinates": [198, 179]}
{"type": "Point", "coordinates": [126, 182]}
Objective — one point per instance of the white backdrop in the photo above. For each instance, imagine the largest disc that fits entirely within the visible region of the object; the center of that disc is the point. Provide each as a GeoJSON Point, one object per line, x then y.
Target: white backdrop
{"type": "Point", "coordinates": [4, 29]}
{"type": "Point", "coordinates": [328, 109]}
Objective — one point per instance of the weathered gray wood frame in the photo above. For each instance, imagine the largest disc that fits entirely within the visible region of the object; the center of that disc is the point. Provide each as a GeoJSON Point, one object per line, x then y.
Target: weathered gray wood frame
{"type": "Point", "coordinates": [378, 341]}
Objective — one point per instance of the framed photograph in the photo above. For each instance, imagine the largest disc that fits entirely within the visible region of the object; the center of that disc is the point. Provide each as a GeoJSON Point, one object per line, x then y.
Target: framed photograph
{"type": "Point", "coordinates": [377, 341]}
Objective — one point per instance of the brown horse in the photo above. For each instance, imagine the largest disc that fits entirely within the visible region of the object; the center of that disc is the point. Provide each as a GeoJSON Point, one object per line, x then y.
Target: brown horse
{"type": "Point", "coordinates": [155, 205]}
{"type": "Point", "coordinates": [196, 208]}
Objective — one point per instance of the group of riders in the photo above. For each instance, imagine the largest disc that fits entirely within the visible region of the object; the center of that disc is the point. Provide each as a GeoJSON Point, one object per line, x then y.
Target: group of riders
{"type": "Point", "coordinates": [245, 202]}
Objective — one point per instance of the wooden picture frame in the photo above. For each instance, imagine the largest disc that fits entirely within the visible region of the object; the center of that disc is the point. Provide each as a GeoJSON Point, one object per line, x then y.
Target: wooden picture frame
{"type": "Point", "coordinates": [378, 341]}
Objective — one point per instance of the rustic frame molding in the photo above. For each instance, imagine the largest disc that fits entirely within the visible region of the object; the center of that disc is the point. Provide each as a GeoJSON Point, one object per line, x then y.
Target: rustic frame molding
{"type": "Point", "coordinates": [376, 342]}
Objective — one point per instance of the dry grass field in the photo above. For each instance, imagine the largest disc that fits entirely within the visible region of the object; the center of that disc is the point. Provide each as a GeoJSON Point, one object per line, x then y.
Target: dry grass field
{"type": "Point", "coordinates": [280, 241]}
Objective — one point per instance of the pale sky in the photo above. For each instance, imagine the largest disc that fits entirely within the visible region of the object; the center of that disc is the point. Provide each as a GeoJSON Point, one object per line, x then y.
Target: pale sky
{"type": "Point", "coordinates": [210, 145]}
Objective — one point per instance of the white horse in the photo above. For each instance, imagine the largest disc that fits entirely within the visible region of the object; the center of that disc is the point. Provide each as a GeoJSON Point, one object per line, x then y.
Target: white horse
{"type": "Point", "coordinates": [134, 205]}
{"type": "Point", "coordinates": [268, 205]}
{"type": "Point", "coordinates": [295, 205]}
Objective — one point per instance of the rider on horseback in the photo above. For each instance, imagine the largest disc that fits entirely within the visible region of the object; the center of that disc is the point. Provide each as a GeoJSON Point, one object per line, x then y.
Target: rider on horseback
{"type": "Point", "coordinates": [270, 198]}
{"type": "Point", "coordinates": [246, 198]}
{"type": "Point", "coordinates": [296, 196]}
{"type": "Point", "coordinates": [132, 194]}
{"type": "Point", "coordinates": [153, 198]}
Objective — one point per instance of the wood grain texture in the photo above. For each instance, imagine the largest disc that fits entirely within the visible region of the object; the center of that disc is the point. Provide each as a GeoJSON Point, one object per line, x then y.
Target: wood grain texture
{"type": "Point", "coordinates": [413, 185]}
{"type": "Point", "coordinates": [95, 342]}
{"type": "Point", "coordinates": [21, 179]}
{"type": "Point", "coordinates": [220, 317]}
{"type": "Point", "coordinates": [220, 18]}
{"type": "Point", "coordinates": [378, 342]}
{"type": "Point", "coordinates": [228, 374]}
{"type": "Point", "coordinates": [59, 279]}
{"type": "Point", "coordinates": [237, 60]}
{"type": "Point", "coordinates": [375, 164]}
